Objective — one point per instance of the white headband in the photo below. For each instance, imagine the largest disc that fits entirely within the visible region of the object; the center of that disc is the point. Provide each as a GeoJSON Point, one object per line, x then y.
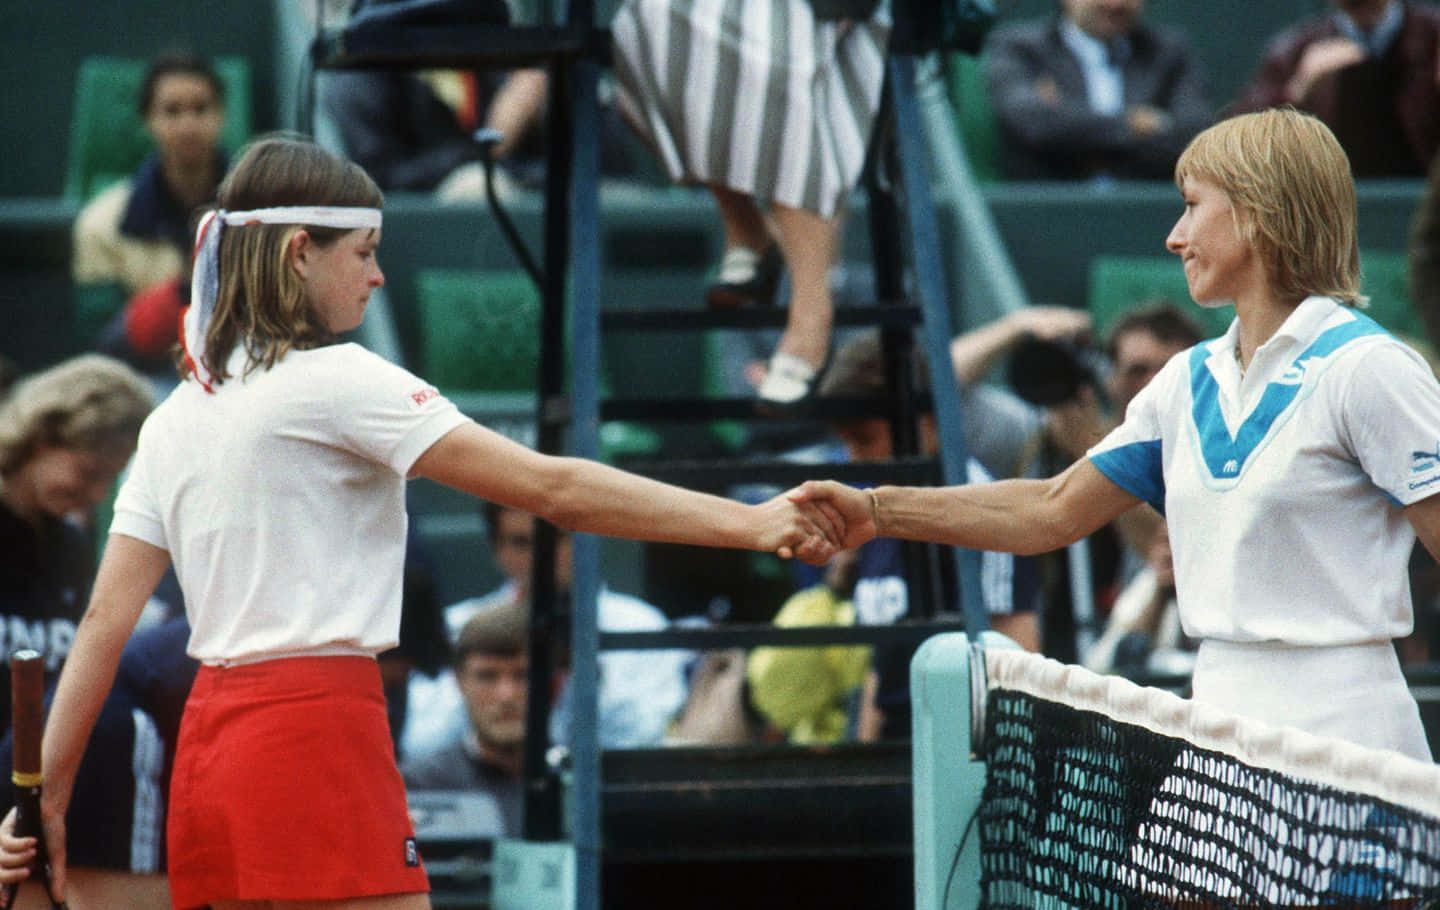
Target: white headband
{"type": "Point", "coordinates": [205, 277]}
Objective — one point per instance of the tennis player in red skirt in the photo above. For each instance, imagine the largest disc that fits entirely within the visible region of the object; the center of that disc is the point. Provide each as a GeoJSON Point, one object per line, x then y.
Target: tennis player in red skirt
{"type": "Point", "coordinates": [273, 478]}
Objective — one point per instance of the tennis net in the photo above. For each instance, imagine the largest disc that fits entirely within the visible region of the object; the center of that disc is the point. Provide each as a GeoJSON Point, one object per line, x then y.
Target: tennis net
{"type": "Point", "coordinates": [1100, 793]}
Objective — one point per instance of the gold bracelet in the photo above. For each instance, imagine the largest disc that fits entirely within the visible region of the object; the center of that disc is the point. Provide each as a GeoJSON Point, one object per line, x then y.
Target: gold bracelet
{"type": "Point", "coordinates": [874, 508]}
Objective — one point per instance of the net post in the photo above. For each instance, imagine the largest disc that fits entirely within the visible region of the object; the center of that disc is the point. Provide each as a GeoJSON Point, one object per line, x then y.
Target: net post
{"type": "Point", "coordinates": [947, 777]}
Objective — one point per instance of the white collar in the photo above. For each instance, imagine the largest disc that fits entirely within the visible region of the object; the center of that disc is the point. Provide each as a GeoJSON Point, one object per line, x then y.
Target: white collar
{"type": "Point", "coordinates": [1091, 50]}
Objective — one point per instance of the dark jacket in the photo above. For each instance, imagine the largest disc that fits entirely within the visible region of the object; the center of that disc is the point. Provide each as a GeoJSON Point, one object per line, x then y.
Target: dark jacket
{"type": "Point", "coordinates": [395, 127]}
{"type": "Point", "coordinates": [1385, 111]}
{"type": "Point", "coordinates": [1061, 138]}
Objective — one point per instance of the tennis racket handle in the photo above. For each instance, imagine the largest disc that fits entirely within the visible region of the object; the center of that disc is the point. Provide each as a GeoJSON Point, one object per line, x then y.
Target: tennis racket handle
{"type": "Point", "coordinates": [27, 824]}
{"type": "Point", "coordinates": [27, 713]}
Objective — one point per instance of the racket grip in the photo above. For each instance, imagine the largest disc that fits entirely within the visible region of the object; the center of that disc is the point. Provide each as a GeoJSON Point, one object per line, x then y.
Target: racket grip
{"type": "Point", "coordinates": [27, 712]}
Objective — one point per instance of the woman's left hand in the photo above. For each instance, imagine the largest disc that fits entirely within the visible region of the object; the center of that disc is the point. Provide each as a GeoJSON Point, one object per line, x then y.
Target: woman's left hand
{"type": "Point", "coordinates": [16, 853]}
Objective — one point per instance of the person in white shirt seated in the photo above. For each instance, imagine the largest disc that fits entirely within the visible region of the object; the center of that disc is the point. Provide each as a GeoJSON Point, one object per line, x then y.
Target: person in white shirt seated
{"type": "Point", "coordinates": [1094, 93]}
{"type": "Point", "coordinates": [640, 691]}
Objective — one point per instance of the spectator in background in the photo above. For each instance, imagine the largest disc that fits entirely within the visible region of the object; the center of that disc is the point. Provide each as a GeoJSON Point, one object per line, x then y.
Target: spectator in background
{"type": "Point", "coordinates": [1424, 254]}
{"type": "Point", "coordinates": [65, 435]}
{"type": "Point", "coordinates": [1369, 70]}
{"type": "Point", "coordinates": [117, 813]}
{"type": "Point", "coordinates": [415, 131]}
{"type": "Point", "coordinates": [1051, 412]}
{"type": "Point", "coordinates": [640, 691]}
{"type": "Point", "coordinates": [137, 235]}
{"type": "Point", "coordinates": [808, 694]}
{"type": "Point", "coordinates": [1144, 635]}
{"type": "Point", "coordinates": [492, 668]}
{"type": "Point", "coordinates": [425, 646]}
{"type": "Point", "coordinates": [1095, 93]}
{"type": "Point", "coordinates": [1141, 342]}
{"type": "Point", "coordinates": [770, 108]}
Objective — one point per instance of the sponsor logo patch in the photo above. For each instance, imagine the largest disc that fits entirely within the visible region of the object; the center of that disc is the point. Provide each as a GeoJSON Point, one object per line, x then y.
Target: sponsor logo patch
{"type": "Point", "coordinates": [412, 852]}
{"type": "Point", "coordinates": [418, 398]}
{"type": "Point", "coordinates": [1423, 463]}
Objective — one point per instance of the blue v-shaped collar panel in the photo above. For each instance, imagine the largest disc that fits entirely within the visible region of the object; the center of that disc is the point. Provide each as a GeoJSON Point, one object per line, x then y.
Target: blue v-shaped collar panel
{"type": "Point", "coordinates": [1225, 456]}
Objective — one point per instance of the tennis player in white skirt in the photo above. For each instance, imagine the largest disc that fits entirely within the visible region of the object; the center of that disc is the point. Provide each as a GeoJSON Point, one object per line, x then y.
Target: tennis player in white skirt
{"type": "Point", "coordinates": [1295, 457]}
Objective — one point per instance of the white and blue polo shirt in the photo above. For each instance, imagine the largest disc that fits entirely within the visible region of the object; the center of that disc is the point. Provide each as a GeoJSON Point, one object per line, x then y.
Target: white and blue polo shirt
{"type": "Point", "coordinates": [1283, 485]}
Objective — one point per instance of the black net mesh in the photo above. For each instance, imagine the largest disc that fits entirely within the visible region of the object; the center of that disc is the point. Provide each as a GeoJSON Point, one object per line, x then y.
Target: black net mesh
{"type": "Point", "coordinates": [1081, 810]}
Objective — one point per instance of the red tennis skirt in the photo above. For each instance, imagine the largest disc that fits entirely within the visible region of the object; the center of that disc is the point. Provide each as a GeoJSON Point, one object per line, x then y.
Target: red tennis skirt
{"type": "Point", "coordinates": [285, 787]}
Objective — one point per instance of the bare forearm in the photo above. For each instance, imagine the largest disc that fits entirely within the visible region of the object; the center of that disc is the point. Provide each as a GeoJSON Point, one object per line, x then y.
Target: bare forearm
{"type": "Point", "coordinates": [516, 108]}
{"type": "Point", "coordinates": [1014, 516]}
{"type": "Point", "coordinates": [1009, 516]}
{"type": "Point", "coordinates": [84, 682]}
{"type": "Point", "coordinates": [128, 574]}
{"type": "Point", "coordinates": [598, 499]}
{"type": "Point", "coordinates": [595, 498]}
{"type": "Point", "coordinates": [973, 354]}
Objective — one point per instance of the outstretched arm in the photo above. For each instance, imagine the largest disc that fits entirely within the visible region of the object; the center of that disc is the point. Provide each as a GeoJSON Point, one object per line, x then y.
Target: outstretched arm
{"type": "Point", "coordinates": [1015, 516]}
{"type": "Point", "coordinates": [588, 496]}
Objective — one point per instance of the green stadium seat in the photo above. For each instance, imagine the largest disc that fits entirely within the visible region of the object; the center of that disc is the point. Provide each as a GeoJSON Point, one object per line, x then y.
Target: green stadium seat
{"type": "Point", "coordinates": [107, 136]}
{"type": "Point", "coordinates": [1385, 277]}
{"type": "Point", "coordinates": [480, 332]}
{"type": "Point", "coordinates": [975, 116]}
{"type": "Point", "coordinates": [1120, 283]}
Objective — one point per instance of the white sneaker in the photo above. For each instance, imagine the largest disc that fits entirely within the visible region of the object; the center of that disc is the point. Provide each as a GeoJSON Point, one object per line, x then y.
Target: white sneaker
{"type": "Point", "coordinates": [787, 380]}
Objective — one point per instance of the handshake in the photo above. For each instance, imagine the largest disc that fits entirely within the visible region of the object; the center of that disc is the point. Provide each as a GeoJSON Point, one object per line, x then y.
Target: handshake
{"type": "Point", "coordinates": [816, 520]}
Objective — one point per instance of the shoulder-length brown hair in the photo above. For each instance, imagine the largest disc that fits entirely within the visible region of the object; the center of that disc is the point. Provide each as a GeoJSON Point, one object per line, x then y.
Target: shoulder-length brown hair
{"type": "Point", "coordinates": [261, 303]}
{"type": "Point", "coordinates": [1294, 198]}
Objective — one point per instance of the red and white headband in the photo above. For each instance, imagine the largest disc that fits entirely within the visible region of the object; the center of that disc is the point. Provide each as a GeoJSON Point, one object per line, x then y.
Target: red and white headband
{"type": "Point", "coordinates": [205, 277]}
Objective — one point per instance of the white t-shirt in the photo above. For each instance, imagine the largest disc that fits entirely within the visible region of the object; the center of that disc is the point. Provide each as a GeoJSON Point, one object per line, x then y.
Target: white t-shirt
{"type": "Point", "coordinates": [1283, 486]}
{"type": "Point", "coordinates": [281, 500]}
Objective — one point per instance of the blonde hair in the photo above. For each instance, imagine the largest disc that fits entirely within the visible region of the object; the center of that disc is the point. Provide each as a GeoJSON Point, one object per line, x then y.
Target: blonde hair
{"type": "Point", "coordinates": [89, 403]}
{"type": "Point", "coordinates": [1294, 199]}
{"type": "Point", "coordinates": [261, 303]}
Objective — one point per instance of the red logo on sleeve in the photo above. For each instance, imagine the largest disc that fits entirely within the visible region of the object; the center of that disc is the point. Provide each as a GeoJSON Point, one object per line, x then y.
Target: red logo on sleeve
{"type": "Point", "coordinates": [419, 398]}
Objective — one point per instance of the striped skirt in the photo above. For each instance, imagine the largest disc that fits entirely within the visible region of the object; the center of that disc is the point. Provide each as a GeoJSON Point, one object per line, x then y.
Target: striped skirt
{"type": "Point", "coordinates": [753, 95]}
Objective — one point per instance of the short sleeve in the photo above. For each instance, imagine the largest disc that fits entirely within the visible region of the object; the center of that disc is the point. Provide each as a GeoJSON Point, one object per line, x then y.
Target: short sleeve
{"type": "Point", "coordinates": [388, 414]}
{"type": "Point", "coordinates": [1392, 416]}
{"type": "Point", "coordinates": [1130, 455]}
{"type": "Point", "coordinates": [137, 508]}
